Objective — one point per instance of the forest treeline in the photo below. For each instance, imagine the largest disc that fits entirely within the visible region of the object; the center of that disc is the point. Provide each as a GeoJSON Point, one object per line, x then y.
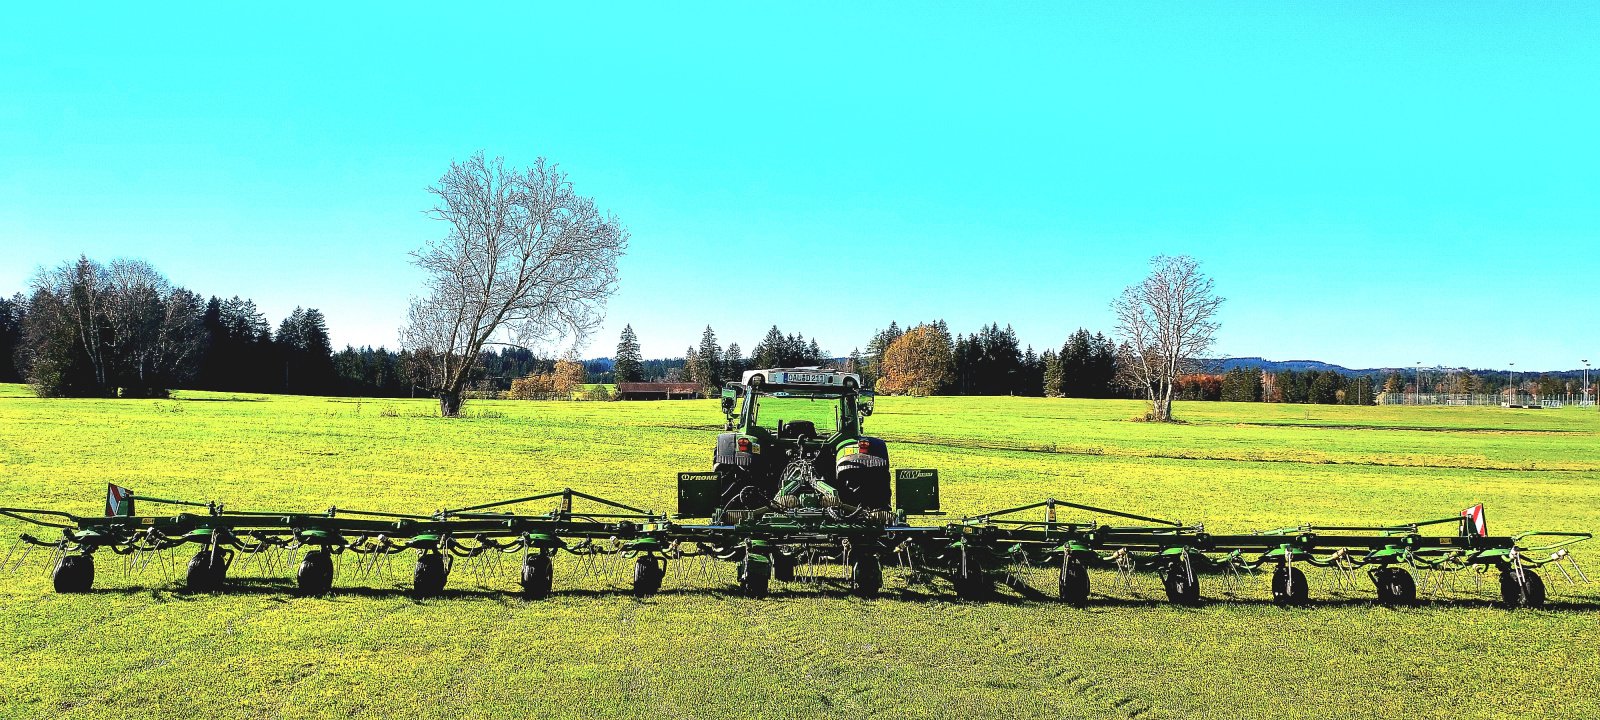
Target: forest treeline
{"type": "Point", "coordinates": [122, 329]}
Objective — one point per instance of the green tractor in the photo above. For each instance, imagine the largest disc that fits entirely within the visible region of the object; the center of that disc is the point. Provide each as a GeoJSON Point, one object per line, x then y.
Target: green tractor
{"type": "Point", "coordinates": [796, 440]}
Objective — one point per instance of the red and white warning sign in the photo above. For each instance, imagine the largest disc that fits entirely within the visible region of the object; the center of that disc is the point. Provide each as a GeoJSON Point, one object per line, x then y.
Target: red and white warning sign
{"type": "Point", "coordinates": [119, 500]}
{"type": "Point", "coordinates": [1474, 516]}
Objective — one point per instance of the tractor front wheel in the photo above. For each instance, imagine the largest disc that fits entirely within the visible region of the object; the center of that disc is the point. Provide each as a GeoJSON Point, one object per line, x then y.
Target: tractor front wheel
{"type": "Point", "coordinates": [74, 574]}
{"type": "Point", "coordinates": [538, 576]}
{"type": "Point", "coordinates": [315, 576]}
{"type": "Point", "coordinates": [1521, 588]}
{"type": "Point", "coordinates": [1289, 586]}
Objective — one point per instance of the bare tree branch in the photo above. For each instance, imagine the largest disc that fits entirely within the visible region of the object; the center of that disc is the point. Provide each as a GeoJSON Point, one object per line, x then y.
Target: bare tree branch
{"type": "Point", "coordinates": [1164, 323]}
{"type": "Point", "coordinates": [526, 261]}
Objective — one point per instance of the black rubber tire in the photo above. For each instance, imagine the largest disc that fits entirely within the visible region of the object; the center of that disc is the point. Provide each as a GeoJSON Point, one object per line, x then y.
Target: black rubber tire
{"type": "Point", "coordinates": [1529, 593]}
{"type": "Point", "coordinates": [208, 570]}
{"type": "Point", "coordinates": [1073, 583]}
{"type": "Point", "coordinates": [971, 582]}
{"type": "Point", "coordinates": [782, 566]}
{"type": "Point", "coordinates": [866, 576]}
{"type": "Point", "coordinates": [1289, 586]}
{"type": "Point", "coordinates": [647, 574]}
{"type": "Point", "coordinates": [755, 577]}
{"type": "Point", "coordinates": [315, 576]}
{"type": "Point", "coordinates": [538, 576]}
{"type": "Point", "coordinates": [1395, 586]}
{"type": "Point", "coordinates": [74, 574]}
{"type": "Point", "coordinates": [430, 575]}
{"type": "Point", "coordinates": [1181, 584]}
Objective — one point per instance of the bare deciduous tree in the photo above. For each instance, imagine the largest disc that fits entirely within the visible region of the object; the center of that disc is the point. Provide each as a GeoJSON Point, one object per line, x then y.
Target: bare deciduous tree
{"type": "Point", "coordinates": [1164, 323]}
{"type": "Point", "coordinates": [526, 261]}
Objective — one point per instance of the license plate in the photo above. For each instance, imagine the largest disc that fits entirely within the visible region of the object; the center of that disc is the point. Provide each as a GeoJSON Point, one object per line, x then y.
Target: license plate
{"type": "Point", "coordinates": [811, 378]}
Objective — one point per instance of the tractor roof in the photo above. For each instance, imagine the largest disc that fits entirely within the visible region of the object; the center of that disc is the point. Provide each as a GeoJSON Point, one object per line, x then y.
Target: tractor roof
{"type": "Point", "coordinates": [802, 380]}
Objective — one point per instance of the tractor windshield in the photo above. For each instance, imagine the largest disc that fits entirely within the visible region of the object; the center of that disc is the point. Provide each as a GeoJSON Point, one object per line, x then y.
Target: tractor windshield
{"type": "Point", "coordinates": [821, 412]}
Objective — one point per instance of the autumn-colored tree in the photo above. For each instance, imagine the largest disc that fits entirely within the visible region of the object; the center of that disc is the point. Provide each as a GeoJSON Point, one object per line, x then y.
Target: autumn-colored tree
{"type": "Point", "coordinates": [916, 363]}
{"type": "Point", "coordinates": [536, 386]}
{"type": "Point", "coordinates": [567, 378]}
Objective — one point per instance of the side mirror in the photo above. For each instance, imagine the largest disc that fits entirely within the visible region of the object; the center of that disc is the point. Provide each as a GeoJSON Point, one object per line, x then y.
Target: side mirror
{"type": "Point", "coordinates": [865, 404]}
{"type": "Point", "coordinates": [727, 405]}
{"type": "Point", "coordinates": [730, 396]}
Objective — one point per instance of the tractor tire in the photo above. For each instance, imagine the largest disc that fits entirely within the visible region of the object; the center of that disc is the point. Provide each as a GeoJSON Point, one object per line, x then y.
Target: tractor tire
{"type": "Point", "coordinates": [538, 576]}
{"type": "Point", "coordinates": [647, 575]}
{"type": "Point", "coordinates": [755, 576]}
{"type": "Point", "coordinates": [1289, 586]}
{"type": "Point", "coordinates": [315, 576]}
{"type": "Point", "coordinates": [1073, 584]}
{"type": "Point", "coordinates": [208, 570]}
{"type": "Point", "coordinates": [1524, 592]}
{"type": "Point", "coordinates": [866, 576]}
{"type": "Point", "coordinates": [1395, 586]}
{"type": "Point", "coordinates": [1181, 584]}
{"type": "Point", "coordinates": [430, 576]}
{"type": "Point", "coordinates": [74, 574]}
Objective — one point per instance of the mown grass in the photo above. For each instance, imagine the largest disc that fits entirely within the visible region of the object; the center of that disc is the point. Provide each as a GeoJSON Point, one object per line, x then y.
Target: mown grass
{"type": "Point", "coordinates": [141, 646]}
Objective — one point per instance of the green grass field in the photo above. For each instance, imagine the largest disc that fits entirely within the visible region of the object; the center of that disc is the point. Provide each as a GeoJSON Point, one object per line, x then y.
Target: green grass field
{"type": "Point", "coordinates": [140, 646]}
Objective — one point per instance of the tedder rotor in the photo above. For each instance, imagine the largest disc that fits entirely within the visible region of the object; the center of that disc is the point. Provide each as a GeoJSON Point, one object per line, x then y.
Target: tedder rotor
{"type": "Point", "coordinates": [795, 486]}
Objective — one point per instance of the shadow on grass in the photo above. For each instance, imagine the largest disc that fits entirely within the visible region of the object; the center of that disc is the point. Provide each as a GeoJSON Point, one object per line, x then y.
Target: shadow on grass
{"type": "Point", "coordinates": [285, 590]}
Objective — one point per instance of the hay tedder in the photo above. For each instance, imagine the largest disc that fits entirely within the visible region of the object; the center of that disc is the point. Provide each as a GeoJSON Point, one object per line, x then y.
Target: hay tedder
{"type": "Point", "coordinates": [797, 493]}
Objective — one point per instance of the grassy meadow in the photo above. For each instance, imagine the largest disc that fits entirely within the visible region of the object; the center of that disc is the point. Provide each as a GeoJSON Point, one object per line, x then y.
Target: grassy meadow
{"type": "Point", "coordinates": [141, 646]}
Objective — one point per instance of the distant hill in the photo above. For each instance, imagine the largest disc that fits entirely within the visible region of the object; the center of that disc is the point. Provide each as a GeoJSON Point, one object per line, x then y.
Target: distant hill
{"type": "Point", "coordinates": [1226, 364]}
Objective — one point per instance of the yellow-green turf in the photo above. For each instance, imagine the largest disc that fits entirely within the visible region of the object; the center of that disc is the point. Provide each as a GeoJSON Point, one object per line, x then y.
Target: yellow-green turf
{"type": "Point", "coordinates": [141, 647]}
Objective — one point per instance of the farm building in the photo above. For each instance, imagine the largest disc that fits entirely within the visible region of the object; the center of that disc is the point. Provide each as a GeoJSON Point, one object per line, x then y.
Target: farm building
{"type": "Point", "coordinates": [657, 391]}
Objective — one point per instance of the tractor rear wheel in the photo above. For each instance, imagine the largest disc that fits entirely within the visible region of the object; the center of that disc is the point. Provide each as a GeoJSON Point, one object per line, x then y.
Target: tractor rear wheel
{"type": "Point", "coordinates": [1073, 585]}
{"type": "Point", "coordinates": [866, 576]}
{"type": "Point", "coordinates": [1521, 588]}
{"type": "Point", "coordinates": [647, 574]}
{"type": "Point", "coordinates": [1289, 586]}
{"type": "Point", "coordinates": [1395, 586]}
{"type": "Point", "coordinates": [538, 576]}
{"type": "Point", "coordinates": [208, 570]}
{"type": "Point", "coordinates": [1182, 587]}
{"type": "Point", "coordinates": [315, 576]}
{"type": "Point", "coordinates": [430, 576]}
{"type": "Point", "coordinates": [74, 574]}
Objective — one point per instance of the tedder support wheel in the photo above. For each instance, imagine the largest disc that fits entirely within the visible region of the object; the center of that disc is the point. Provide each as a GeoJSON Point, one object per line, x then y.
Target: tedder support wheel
{"type": "Point", "coordinates": [538, 575]}
{"type": "Point", "coordinates": [1289, 586]}
{"type": "Point", "coordinates": [1521, 587]}
{"type": "Point", "coordinates": [208, 570]}
{"type": "Point", "coordinates": [431, 574]}
{"type": "Point", "coordinates": [1074, 582]}
{"type": "Point", "coordinates": [315, 576]}
{"type": "Point", "coordinates": [1395, 586]}
{"type": "Point", "coordinates": [647, 574]}
{"type": "Point", "coordinates": [866, 576]}
{"type": "Point", "coordinates": [782, 566]}
{"type": "Point", "coordinates": [971, 582]}
{"type": "Point", "coordinates": [1181, 584]}
{"type": "Point", "coordinates": [755, 575]}
{"type": "Point", "coordinates": [74, 574]}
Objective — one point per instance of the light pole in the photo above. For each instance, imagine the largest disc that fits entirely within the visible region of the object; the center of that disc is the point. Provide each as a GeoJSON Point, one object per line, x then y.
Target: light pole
{"type": "Point", "coordinates": [1586, 380]}
{"type": "Point", "coordinates": [1419, 382]}
{"type": "Point", "coordinates": [1511, 385]}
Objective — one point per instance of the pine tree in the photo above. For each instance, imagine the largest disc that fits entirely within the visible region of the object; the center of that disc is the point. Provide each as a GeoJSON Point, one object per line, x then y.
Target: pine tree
{"type": "Point", "coordinates": [733, 362]}
{"type": "Point", "coordinates": [628, 365]}
{"type": "Point", "coordinates": [706, 362]}
{"type": "Point", "coordinates": [1052, 373]}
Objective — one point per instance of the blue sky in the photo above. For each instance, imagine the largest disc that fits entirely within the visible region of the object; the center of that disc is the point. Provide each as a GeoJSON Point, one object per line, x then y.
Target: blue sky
{"type": "Point", "coordinates": [1369, 184]}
